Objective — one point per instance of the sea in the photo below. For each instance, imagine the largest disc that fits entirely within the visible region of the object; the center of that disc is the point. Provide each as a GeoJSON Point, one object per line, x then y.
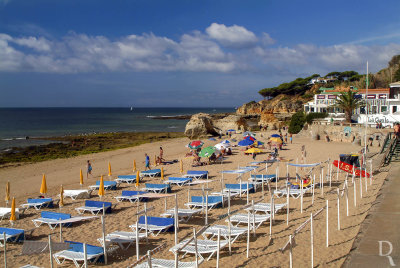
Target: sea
{"type": "Point", "coordinates": [19, 125]}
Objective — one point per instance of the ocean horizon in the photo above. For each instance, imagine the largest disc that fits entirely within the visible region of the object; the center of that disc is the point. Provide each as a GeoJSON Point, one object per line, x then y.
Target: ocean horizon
{"type": "Point", "coordinates": [18, 125]}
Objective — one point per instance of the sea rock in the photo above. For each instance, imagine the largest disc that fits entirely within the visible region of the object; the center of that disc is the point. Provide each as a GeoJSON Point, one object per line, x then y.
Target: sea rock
{"type": "Point", "coordinates": [200, 125]}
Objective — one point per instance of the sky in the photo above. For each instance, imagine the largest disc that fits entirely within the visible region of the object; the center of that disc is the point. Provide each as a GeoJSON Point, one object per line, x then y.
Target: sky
{"type": "Point", "coordinates": [182, 53]}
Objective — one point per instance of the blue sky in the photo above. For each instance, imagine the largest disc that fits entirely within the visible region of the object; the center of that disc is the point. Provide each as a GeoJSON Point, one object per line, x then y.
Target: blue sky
{"type": "Point", "coordinates": [182, 53]}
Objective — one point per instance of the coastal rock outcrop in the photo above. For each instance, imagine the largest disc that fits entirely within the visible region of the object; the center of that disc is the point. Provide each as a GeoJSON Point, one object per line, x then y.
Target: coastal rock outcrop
{"type": "Point", "coordinates": [199, 125]}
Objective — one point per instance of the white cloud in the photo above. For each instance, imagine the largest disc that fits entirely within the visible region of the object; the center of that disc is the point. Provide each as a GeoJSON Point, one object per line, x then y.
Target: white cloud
{"type": "Point", "coordinates": [192, 52]}
{"type": "Point", "coordinates": [233, 36]}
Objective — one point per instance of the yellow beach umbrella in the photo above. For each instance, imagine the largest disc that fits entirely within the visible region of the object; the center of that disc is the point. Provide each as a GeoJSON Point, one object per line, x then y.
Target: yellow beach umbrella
{"type": "Point", "coordinates": [109, 169]}
{"type": "Point", "coordinates": [81, 178]}
{"type": "Point", "coordinates": [155, 160]}
{"type": "Point", "coordinates": [101, 187]}
{"type": "Point", "coordinates": [61, 196]}
{"type": "Point", "coordinates": [181, 166]}
{"type": "Point", "coordinates": [43, 187]}
{"type": "Point", "coordinates": [137, 178]}
{"type": "Point", "coordinates": [7, 198]}
{"type": "Point", "coordinates": [134, 165]}
{"type": "Point", "coordinates": [253, 151]}
{"type": "Point", "coordinates": [13, 217]}
{"type": "Point", "coordinates": [162, 173]}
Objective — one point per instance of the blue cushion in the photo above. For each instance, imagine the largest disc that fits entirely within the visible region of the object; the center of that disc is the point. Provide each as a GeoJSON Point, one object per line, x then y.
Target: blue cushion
{"type": "Point", "coordinates": [236, 186]}
{"type": "Point", "coordinates": [266, 176]}
{"type": "Point", "coordinates": [13, 231]}
{"type": "Point", "coordinates": [158, 221]}
{"type": "Point", "coordinates": [197, 172]}
{"type": "Point", "coordinates": [55, 215]}
{"type": "Point", "coordinates": [151, 171]}
{"type": "Point", "coordinates": [90, 249]}
{"type": "Point", "coordinates": [211, 199]}
{"type": "Point", "coordinates": [99, 204]}
{"type": "Point", "coordinates": [107, 183]}
{"type": "Point", "coordinates": [158, 186]}
{"type": "Point", "coordinates": [179, 179]}
{"type": "Point", "coordinates": [130, 193]}
{"type": "Point", "coordinates": [126, 176]}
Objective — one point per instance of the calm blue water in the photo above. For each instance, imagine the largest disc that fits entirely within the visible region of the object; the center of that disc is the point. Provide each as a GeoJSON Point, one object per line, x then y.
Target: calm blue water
{"type": "Point", "coordinates": [18, 123]}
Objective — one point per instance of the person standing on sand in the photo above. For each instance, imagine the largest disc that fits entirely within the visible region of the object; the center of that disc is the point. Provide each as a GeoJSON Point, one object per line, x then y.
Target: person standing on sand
{"type": "Point", "coordinates": [291, 138]}
{"type": "Point", "coordinates": [147, 161]}
{"type": "Point", "coordinates": [89, 169]}
{"type": "Point", "coordinates": [161, 154]}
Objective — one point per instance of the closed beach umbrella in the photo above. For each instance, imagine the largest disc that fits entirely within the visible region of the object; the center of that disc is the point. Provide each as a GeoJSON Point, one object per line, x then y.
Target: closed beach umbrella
{"type": "Point", "coordinates": [195, 144]}
{"type": "Point", "coordinates": [245, 142]}
{"type": "Point", "coordinates": [275, 136]}
{"type": "Point", "coordinates": [162, 173]}
{"type": "Point", "coordinates": [61, 196]}
{"type": "Point", "coordinates": [101, 187]}
{"type": "Point", "coordinates": [81, 178]}
{"type": "Point", "coordinates": [253, 151]}
{"type": "Point", "coordinates": [13, 217]}
{"type": "Point", "coordinates": [207, 152]}
{"type": "Point", "coordinates": [134, 165]}
{"type": "Point", "coordinates": [43, 187]}
{"type": "Point", "coordinates": [109, 169]}
{"type": "Point", "coordinates": [137, 178]}
{"type": "Point", "coordinates": [7, 198]}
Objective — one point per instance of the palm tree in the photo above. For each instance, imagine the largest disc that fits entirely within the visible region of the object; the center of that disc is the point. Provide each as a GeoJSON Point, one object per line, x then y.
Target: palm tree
{"type": "Point", "coordinates": [348, 103]}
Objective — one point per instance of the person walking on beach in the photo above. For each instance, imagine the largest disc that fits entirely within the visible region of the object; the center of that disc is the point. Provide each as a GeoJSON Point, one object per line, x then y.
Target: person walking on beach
{"type": "Point", "coordinates": [291, 138]}
{"type": "Point", "coordinates": [147, 162]}
{"type": "Point", "coordinates": [89, 169]}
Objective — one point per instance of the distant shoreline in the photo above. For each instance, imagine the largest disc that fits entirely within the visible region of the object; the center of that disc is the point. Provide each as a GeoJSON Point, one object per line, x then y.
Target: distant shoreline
{"type": "Point", "coordinates": [74, 145]}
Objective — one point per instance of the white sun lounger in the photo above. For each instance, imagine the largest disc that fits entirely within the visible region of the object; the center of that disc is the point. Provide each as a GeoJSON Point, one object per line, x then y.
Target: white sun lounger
{"type": "Point", "coordinates": [78, 194]}
{"type": "Point", "coordinates": [212, 232]}
{"type": "Point", "coordinates": [121, 239]}
{"type": "Point", "coordinates": [198, 202]}
{"type": "Point", "coordinates": [162, 263]}
{"type": "Point", "coordinates": [39, 203]}
{"type": "Point", "coordinates": [243, 219]}
{"type": "Point", "coordinates": [155, 225]}
{"type": "Point", "coordinates": [295, 193]}
{"type": "Point", "coordinates": [131, 196]}
{"type": "Point", "coordinates": [126, 179]}
{"type": "Point", "coordinates": [75, 257]}
{"type": "Point", "coordinates": [203, 247]}
{"type": "Point", "coordinates": [184, 214]}
{"type": "Point", "coordinates": [95, 207]}
{"type": "Point", "coordinates": [6, 213]}
{"type": "Point", "coordinates": [266, 207]}
{"type": "Point", "coordinates": [150, 173]}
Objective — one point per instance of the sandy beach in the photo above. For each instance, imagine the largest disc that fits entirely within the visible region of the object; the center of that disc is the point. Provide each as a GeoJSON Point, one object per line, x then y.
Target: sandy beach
{"type": "Point", "coordinates": [25, 182]}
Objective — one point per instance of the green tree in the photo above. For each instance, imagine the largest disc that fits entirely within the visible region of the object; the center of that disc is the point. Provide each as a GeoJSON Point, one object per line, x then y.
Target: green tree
{"type": "Point", "coordinates": [297, 122]}
{"type": "Point", "coordinates": [397, 75]}
{"type": "Point", "coordinates": [348, 103]}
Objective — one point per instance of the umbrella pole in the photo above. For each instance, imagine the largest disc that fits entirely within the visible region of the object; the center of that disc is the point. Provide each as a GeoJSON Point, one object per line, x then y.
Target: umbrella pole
{"type": "Point", "coordinates": [5, 250]}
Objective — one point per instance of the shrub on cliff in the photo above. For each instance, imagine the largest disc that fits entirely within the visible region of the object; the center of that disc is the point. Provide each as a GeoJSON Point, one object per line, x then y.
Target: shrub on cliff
{"type": "Point", "coordinates": [297, 122]}
{"type": "Point", "coordinates": [311, 116]}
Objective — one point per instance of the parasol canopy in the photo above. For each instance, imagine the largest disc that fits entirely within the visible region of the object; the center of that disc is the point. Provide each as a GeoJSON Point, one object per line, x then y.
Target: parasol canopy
{"type": "Point", "coordinates": [275, 136]}
{"type": "Point", "coordinates": [208, 151]}
{"type": "Point", "coordinates": [195, 144]}
{"type": "Point", "coordinates": [245, 142]}
{"type": "Point", "coordinates": [253, 151]}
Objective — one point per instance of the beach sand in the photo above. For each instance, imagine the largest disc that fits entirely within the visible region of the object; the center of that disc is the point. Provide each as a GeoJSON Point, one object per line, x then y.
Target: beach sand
{"type": "Point", "coordinates": [25, 182]}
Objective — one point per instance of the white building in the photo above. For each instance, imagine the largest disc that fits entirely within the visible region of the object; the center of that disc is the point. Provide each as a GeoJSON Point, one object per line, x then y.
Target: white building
{"type": "Point", "coordinates": [383, 104]}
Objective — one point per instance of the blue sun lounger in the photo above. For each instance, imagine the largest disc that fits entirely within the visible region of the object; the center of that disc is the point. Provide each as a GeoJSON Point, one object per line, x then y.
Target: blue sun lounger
{"type": "Point", "coordinates": [38, 203]}
{"type": "Point", "coordinates": [95, 207]}
{"type": "Point", "coordinates": [75, 254]}
{"type": "Point", "coordinates": [131, 196]}
{"type": "Point", "coordinates": [126, 179]}
{"type": "Point", "coordinates": [178, 181]}
{"type": "Point", "coordinates": [108, 185]}
{"type": "Point", "coordinates": [155, 225]}
{"type": "Point", "coordinates": [12, 235]}
{"type": "Point", "coordinates": [51, 219]}
{"type": "Point", "coordinates": [151, 173]}
{"type": "Point", "coordinates": [157, 188]}
{"type": "Point", "coordinates": [196, 174]}
{"type": "Point", "coordinates": [198, 201]}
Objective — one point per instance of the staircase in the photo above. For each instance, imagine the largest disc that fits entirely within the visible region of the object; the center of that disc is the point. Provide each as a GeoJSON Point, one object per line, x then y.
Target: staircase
{"type": "Point", "coordinates": [392, 151]}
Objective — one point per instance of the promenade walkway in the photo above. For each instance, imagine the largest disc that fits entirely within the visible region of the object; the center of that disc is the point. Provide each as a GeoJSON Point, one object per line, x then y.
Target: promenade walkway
{"type": "Point", "coordinates": [380, 233]}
